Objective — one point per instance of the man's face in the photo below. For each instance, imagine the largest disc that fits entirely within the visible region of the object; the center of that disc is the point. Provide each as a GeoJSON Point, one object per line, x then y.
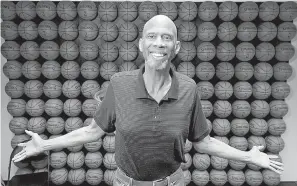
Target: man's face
{"type": "Point", "coordinates": [158, 45]}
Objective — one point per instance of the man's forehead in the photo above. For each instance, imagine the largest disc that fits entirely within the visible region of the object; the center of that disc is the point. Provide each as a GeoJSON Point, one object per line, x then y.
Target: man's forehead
{"type": "Point", "coordinates": [160, 25]}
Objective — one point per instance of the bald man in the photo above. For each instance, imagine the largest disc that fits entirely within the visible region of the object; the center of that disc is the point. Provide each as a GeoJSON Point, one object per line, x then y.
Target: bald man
{"type": "Point", "coordinates": [153, 110]}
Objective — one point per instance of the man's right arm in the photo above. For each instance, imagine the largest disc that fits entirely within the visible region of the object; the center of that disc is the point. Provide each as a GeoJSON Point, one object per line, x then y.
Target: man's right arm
{"type": "Point", "coordinates": [80, 136]}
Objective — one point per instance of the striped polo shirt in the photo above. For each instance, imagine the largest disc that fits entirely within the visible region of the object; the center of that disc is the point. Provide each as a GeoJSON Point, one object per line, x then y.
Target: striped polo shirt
{"type": "Point", "coordinates": [150, 137]}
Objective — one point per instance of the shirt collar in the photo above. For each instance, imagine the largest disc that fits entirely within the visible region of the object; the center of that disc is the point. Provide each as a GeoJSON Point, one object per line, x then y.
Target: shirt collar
{"type": "Point", "coordinates": [141, 91]}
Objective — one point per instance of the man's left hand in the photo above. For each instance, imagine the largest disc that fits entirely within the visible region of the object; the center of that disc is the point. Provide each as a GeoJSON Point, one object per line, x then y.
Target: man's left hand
{"type": "Point", "coordinates": [265, 160]}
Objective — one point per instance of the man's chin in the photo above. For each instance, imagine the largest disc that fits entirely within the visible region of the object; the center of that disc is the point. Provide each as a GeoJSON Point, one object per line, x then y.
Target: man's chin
{"type": "Point", "coordinates": [157, 65]}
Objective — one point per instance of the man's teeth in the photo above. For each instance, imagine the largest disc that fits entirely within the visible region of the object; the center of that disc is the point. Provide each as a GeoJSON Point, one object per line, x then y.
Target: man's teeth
{"type": "Point", "coordinates": [158, 54]}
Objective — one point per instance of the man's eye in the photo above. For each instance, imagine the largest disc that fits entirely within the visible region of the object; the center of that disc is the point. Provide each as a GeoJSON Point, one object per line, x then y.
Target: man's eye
{"type": "Point", "coordinates": [167, 37]}
{"type": "Point", "coordinates": [150, 36]}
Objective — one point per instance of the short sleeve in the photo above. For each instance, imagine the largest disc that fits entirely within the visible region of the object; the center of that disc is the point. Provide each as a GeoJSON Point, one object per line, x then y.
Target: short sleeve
{"type": "Point", "coordinates": [105, 114]}
{"type": "Point", "coordinates": [198, 127]}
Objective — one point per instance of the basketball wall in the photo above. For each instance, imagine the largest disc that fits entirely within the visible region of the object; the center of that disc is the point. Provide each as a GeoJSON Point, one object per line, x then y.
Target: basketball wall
{"type": "Point", "coordinates": [234, 61]}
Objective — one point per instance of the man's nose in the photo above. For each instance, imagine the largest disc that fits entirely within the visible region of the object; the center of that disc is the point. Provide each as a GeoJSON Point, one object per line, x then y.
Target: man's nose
{"type": "Point", "coordinates": [159, 42]}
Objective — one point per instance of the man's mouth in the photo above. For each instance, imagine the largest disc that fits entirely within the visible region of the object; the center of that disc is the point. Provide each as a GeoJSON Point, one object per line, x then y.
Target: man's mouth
{"type": "Point", "coordinates": [158, 55]}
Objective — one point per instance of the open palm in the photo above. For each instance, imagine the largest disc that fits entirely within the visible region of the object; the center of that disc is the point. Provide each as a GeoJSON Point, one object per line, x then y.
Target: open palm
{"type": "Point", "coordinates": [30, 148]}
{"type": "Point", "coordinates": [263, 160]}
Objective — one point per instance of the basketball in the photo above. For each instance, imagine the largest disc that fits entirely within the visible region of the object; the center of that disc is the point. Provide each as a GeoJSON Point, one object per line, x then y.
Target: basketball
{"type": "Point", "coordinates": [253, 178]}
{"type": "Point", "coordinates": [71, 88]}
{"type": "Point", "coordinates": [68, 30]}
{"type": "Point", "coordinates": [107, 11]}
{"type": "Point", "coordinates": [147, 10]}
{"type": "Point", "coordinates": [218, 177]}
{"type": "Point", "coordinates": [267, 31]}
{"type": "Point", "coordinates": [284, 51]}
{"type": "Point", "coordinates": [280, 90]}
{"type": "Point", "coordinates": [70, 70]}
{"type": "Point", "coordinates": [227, 31]}
{"type": "Point", "coordinates": [72, 107]}
{"type": "Point", "coordinates": [282, 71]}
{"type": "Point", "coordinates": [208, 11]}
{"type": "Point", "coordinates": [237, 165]}
{"type": "Point", "coordinates": [93, 146]}
{"type": "Point", "coordinates": [89, 107]}
{"type": "Point", "coordinates": [69, 50]}
{"type": "Point", "coordinates": [239, 127]}
{"type": "Point", "coordinates": [73, 123]}
{"type": "Point", "coordinates": [260, 108]}
{"type": "Point", "coordinates": [53, 107]}
{"type": "Point", "coordinates": [221, 127]}
{"type": "Point", "coordinates": [169, 9]}
{"type": "Point", "coordinates": [276, 126]}
{"type": "Point", "coordinates": [223, 139]}
{"type": "Point", "coordinates": [253, 166]}
{"type": "Point", "coordinates": [35, 107]}
{"type": "Point", "coordinates": [207, 107]}
{"type": "Point", "coordinates": [271, 178]}
{"type": "Point", "coordinates": [87, 10]}
{"type": "Point", "coordinates": [127, 66]}
{"type": "Point", "coordinates": [286, 31]}
{"type": "Point", "coordinates": [256, 141]}
{"type": "Point", "coordinates": [29, 50]}
{"type": "Point", "coordinates": [16, 139]}
{"type": "Point", "coordinates": [201, 161]}
{"type": "Point", "coordinates": [128, 51]}
{"type": "Point", "coordinates": [278, 108]}
{"type": "Point", "coordinates": [12, 69]}
{"type": "Point", "coordinates": [94, 176]}
{"type": "Point", "coordinates": [205, 71]}
{"type": "Point", "coordinates": [39, 164]}
{"type": "Point", "coordinates": [261, 90]}
{"type": "Point", "coordinates": [10, 50]}
{"type": "Point", "coordinates": [108, 31]}
{"type": "Point", "coordinates": [188, 52]}
{"type": "Point", "coordinates": [265, 51]}
{"type": "Point", "coordinates": [89, 69]}
{"type": "Point", "coordinates": [218, 162]}
{"type": "Point", "coordinates": [37, 124]}
{"type": "Point", "coordinates": [187, 11]}
{"type": "Point", "coordinates": [88, 30]}
{"type": "Point", "coordinates": [93, 160]}
{"type": "Point", "coordinates": [55, 125]}
{"type": "Point", "coordinates": [206, 51]}
{"type": "Point", "coordinates": [46, 10]}
{"type": "Point", "coordinates": [59, 176]}
{"type": "Point", "coordinates": [28, 30]}
{"type": "Point", "coordinates": [109, 161]}
{"type": "Point", "coordinates": [222, 108]}
{"type": "Point", "coordinates": [89, 88]}
{"type": "Point", "coordinates": [288, 11]}
{"type": "Point", "coordinates": [239, 143]}
{"type": "Point", "coordinates": [26, 10]}
{"type": "Point", "coordinates": [75, 148]}
{"type": "Point", "coordinates": [58, 159]}
{"type": "Point", "coordinates": [23, 171]}
{"type": "Point", "coordinates": [31, 69]}
{"type": "Point", "coordinates": [8, 11]}
{"type": "Point", "coordinates": [247, 31]}
{"type": "Point", "coordinates": [186, 68]}
{"type": "Point", "coordinates": [66, 10]}
{"type": "Point", "coordinates": [241, 108]}
{"type": "Point", "coordinates": [88, 121]}
{"type": "Point", "coordinates": [186, 165]}
{"type": "Point", "coordinates": [245, 51]}
{"type": "Point", "coordinates": [225, 51]}
{"type": "Point", "coordinates": [207, 31]}
{"type": "Point", "coordinates": [244, 71]}
{"type": "Point", "coordinates": [188, 146]}
{"type": "Point", "coordinates": [263, 71]}
{"type": "Point", "coordinates": [49, 50]}
{"type": "Point", "coordinates": [228, 11]}
{"type": "Point", "coordinates": [108, 176]}
{"type": "Point", "coordinates": [16, 107]}
{"type": "Point", "coordinates": [224, 71]}
{"type": "Point", "coordinates": [109, 143]}
{"type": "Point", "coordinates": [33, 88]}
{"type": "Point", "coordinates": [187, 31]}
{"type": "Point", "coordinates": [110, 52]}
{"type": "Point", "coordinates": [14, 88]}
{"type": "Point", "coordinates": [18, 125]}
{"type": "Point", "coordinates": [88, 50]}
{"type": "Point", "coordinates": [9, 30]}
{"type": "Point", "coordinates": [77, 176]}
{"type": "Point", "coordinates": [48, 30]}
{"type": "Point", "coordinates": [108, 69]}
{"type": "Point", "coordinates": [206, 89]}
{"type": "Point", "coordinates": [75, 160]}
{"type": "Point", "coordinates": [223, 90]}
{"type": "Point", "coordinates": [200, 178]}
{"type": "Point", "coordinates": [248, 11]}
{"type": "Point", "coordinates": [236, 177]}
{"type": "Point", "coordinates": [52, 88]}
{"type": "Point", "coordinates": [258, 127]}
{"type": "Point", "coordinates": [242, 90]}
{"type": "Point", "coordinates": [127, 11]}
{"type": "Point", "coordinates": [268, 11]}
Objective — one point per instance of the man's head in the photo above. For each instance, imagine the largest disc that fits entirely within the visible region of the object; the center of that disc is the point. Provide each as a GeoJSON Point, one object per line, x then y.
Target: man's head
{"type": "Point", "coordinates": [159, 42]}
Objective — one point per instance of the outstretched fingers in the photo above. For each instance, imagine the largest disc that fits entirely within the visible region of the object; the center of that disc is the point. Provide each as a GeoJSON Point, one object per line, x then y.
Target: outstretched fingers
{"type": "Point", "coordinates": [276, 162]}
{"type": "Point", "coordinates": [276, 166]}
{"type": "Point", "coordinates": [273, 169]}
{"type": "Point", "coordinates": [19, 157]}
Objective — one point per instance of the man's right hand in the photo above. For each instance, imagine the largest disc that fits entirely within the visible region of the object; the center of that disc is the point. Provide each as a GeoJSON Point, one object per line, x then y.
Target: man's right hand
{"type": "Point", "coordinates": [30, 148]}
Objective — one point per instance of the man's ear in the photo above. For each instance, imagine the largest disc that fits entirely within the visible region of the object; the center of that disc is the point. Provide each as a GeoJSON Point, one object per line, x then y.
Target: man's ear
{"type": "Point", "coordinates": [177, 47]}
{"type": "Point", "coordinates": [140, 44]}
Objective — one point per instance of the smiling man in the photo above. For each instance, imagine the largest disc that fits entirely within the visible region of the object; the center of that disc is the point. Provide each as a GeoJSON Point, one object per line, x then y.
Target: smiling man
{"type": "Point", "coordinates": [153, 110]}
